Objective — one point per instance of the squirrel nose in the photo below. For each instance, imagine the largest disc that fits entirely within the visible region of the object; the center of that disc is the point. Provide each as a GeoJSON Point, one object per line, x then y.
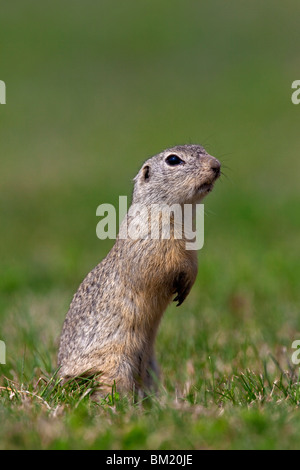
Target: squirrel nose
{"type": "Point", "coordinates": [216, 168]}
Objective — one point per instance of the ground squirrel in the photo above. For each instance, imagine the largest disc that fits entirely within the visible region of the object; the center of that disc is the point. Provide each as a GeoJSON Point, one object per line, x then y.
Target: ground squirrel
{"type": "Point", "coordinates": [112, 321]}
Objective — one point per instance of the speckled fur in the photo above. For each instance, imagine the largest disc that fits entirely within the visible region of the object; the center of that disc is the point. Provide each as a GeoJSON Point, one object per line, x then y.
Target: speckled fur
{"type": "Point", "coordinates": [112, 321]}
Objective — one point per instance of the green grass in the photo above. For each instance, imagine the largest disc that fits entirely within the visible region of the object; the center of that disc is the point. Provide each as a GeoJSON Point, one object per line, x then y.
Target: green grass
{"type": "Point", "coordinates": [92, 91]}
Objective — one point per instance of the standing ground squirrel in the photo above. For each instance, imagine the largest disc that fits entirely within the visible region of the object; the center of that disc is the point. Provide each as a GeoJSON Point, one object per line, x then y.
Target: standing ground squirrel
{"type": "Point", "coordinates": [112, 321]}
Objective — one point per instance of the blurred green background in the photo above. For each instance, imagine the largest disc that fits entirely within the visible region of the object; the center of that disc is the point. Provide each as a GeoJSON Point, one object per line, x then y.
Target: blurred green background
{"type": "Point", "coordinates": [93, 90]}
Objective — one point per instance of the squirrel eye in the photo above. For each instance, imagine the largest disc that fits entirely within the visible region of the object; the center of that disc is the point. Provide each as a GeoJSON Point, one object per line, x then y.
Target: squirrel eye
{"type": "Point", "coordinates": [173, 160]}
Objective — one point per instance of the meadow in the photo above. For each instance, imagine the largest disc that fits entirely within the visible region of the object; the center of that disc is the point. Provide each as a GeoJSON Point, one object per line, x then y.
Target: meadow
{"type": "Point", "coordinates": [93, 90]}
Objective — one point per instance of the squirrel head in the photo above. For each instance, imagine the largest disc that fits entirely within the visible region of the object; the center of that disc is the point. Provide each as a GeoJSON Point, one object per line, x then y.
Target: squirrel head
{"type": "Point", "coordinates": [184, 174]}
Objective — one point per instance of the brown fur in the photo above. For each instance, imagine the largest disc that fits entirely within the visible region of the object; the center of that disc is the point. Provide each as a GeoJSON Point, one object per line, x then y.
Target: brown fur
{"type": "Point", "coordinates": [113, 318]}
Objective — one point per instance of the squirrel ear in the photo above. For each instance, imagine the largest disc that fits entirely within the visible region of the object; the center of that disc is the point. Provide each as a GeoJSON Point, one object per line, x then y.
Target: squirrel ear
{"type": "Point", "coordinates": [146, 172]}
